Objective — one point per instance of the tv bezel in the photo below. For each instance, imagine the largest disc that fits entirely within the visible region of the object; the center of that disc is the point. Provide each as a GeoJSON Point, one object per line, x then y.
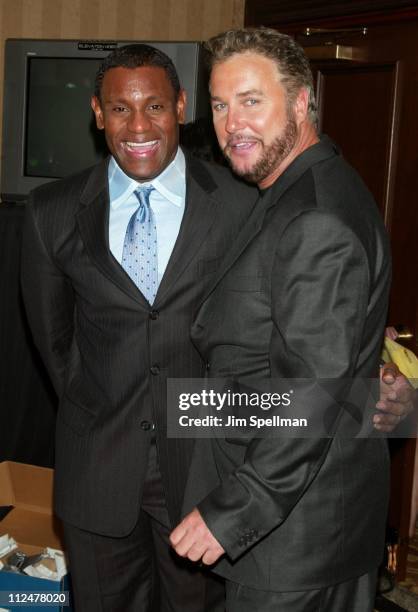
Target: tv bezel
{"type": "Point", "coordinates": [15, 184]}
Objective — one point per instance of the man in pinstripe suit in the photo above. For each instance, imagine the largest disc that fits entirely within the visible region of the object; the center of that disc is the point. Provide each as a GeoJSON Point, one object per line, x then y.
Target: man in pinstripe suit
{"type": "Point", "coordinates": [118, 480]}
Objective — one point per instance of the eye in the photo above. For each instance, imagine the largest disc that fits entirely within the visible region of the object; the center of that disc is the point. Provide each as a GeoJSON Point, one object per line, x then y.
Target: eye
{"type": "Point", "coordinates": [251, 102]}
{"type": "Point", "coordinates": [119, 109]}
{"type": "Point", "coordinates": [156, 107]}
{"type": "Point", "coordinates": [218, 106]}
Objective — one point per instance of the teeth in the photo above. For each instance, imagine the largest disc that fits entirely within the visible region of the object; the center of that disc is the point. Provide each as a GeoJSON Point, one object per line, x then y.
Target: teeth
{"type": "Point", "coordinates": [243, 143]}
{"type": "Point", "coordinates": [138, 145]}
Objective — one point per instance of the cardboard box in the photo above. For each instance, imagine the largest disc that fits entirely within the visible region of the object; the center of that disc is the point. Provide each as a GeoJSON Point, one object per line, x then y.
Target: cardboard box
{"type": "Point", "coordinates": [31, 523]}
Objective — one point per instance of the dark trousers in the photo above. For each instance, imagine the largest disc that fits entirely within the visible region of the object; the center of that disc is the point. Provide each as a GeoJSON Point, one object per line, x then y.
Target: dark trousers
{"type": "Point", "coordinates": [355, 595]}
{"type": "Point", "coordinates": [139, 572]}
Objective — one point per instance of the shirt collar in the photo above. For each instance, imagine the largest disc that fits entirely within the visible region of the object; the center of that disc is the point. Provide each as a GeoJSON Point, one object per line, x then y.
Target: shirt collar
{"type": "Point", "coordinates": [171, 183]}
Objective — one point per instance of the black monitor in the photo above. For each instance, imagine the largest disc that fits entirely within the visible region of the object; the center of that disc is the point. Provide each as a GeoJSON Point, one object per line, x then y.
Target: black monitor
{"type": "Point", "coordinates": [48, 126]}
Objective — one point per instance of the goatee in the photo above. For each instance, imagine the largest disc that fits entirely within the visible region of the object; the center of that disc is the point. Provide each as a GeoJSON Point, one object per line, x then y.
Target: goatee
{"type": "Point", "coordinates": [272, 156]}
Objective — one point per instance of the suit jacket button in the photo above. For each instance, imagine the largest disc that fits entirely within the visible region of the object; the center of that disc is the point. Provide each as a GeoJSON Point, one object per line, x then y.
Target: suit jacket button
{"type": "Point", "coordinates": [155, 370]}
{"type": "Point", "coordinates": [154, 314]}
{"type": "Point", "coordinates": [146, 425]}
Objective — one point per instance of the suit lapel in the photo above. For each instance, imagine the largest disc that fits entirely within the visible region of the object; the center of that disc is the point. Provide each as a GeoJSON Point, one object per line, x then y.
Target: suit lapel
{"type": "Point", "coordinates": [199, 215]}
{"type": "Point", "coordinates": [93, 225]}
{"type": "Point", "coordinates": [251, 228]}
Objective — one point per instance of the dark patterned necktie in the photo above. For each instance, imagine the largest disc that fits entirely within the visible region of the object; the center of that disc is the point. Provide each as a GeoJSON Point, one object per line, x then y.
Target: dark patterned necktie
{"type": "Point", "coordinates": [140, 255]}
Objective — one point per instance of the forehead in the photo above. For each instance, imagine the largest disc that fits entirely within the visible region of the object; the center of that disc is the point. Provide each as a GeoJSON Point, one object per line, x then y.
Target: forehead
{"type": "Point", "coordinates": [244, 72]}
{"type": "Point", "coordinates": [141, 81]}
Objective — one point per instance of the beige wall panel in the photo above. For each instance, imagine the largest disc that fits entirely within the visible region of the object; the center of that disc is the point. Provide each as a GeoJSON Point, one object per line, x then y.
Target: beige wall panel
{"type": "Point", "coordinates": [115, 19]}
{"type": "Point", "coordinates": [90, 16]}
{"type": "Point", "coordinates": [52, 13]}
{"type": "Point", "coordinates": [177, 22]}
{"type": "Point", "coordinates": [144, 19]}
{"type": "Point", "coordinates": [194, 19]}
{"type": "Point", "coordinates": [106, 19]}
{"type": "Point", "coordinates": [161, 17]}
{"type": "Point", "coordinates": [125, 19]}
{"type": "Point", "coordinates": [31, 20]}
{"type": "Point", "coordinates": [11, 18]}
{"type": "Point", "coordinates": [71, 20]}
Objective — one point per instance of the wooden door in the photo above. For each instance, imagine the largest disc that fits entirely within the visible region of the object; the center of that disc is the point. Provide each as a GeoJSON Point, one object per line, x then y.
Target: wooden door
{"type": "Point", "coordinates": [369, 106]}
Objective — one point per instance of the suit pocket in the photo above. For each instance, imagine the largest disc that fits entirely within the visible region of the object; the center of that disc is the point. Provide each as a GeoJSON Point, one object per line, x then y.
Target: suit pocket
{"type": "Point", "coordinates": [74, 416]}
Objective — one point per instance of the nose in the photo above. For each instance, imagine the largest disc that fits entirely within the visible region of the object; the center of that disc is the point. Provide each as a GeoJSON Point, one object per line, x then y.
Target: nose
{"type": "Point", "coordinates": [234, 120]}
{"type": "Point", "coordinates": [138, 121]}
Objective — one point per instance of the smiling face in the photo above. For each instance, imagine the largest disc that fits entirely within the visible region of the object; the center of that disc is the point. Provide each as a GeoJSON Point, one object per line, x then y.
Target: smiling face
{"type": "Point", "coordinates": [257, 129]}
{"type": "Point", "coordinates": [139, 113]}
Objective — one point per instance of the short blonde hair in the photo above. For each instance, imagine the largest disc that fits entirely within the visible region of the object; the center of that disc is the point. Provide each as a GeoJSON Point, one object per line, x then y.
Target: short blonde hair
{"type": "Point", "coordinates": [291, 61]}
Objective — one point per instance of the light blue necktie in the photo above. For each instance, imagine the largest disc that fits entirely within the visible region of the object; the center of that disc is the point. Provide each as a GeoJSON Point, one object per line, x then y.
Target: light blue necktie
{"type": "Point", "coordinates": [140, 255]}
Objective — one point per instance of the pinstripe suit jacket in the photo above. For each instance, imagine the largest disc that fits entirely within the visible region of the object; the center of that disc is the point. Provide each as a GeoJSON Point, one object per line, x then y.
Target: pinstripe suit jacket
{"type": "Point", "coordinates": [107, 351]}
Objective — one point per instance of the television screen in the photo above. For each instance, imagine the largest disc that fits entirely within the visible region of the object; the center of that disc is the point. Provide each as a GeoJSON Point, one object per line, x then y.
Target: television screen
{"type": "Point", "coordinates": [58, 103]}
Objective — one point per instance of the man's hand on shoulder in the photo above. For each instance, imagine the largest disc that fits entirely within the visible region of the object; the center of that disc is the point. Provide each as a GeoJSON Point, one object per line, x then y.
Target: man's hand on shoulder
{"type": "Point", "coordinates": [192, 539]}
{"type": "Point", "coordinates": [397, 398]}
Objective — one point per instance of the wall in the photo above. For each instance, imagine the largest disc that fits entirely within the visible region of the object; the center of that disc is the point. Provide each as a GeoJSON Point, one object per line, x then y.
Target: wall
{"type": "Point", "coordinates": [115, 19]}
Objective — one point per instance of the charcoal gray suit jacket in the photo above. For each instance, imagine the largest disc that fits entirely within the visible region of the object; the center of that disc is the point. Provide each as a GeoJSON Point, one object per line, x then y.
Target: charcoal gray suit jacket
{"type": "Point", "coordinates": [109, 353]}
{"type": "Point", "coordinates": [302, 294]}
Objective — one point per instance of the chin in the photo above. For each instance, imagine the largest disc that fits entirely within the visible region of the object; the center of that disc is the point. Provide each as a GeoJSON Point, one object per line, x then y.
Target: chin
{"type": "Point", "coordinates": [242, 171]}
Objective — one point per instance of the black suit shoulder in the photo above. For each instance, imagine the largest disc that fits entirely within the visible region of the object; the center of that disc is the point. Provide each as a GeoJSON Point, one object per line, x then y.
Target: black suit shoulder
{"type": "Point", "coordinates": [63, 189]}
{"type": "Point", "coordinates": [339, 187]}
{"type": "Point", "coordinates": [323, 181]}
{"type": "Point", "coordinates": [54, 205]}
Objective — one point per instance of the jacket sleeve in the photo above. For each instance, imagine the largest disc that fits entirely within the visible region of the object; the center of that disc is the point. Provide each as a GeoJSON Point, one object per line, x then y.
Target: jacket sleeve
{"type": "Point", "coordinates": [48, 298]}
{"type": "Point", "coordinates": [320, 289]}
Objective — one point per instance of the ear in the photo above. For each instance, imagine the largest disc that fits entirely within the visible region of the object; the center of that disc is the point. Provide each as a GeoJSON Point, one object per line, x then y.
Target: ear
{"type": "Point", "coordinates": [300, 106]}
{"type": "Point", "coordinates": [181, 106]}
{"type": "Point", "coordinates": [97, 110]}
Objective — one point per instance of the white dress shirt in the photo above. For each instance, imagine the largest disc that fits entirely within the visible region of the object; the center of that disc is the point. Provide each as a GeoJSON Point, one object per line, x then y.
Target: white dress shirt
{"type": "Point", "coordinates": [167, 202]}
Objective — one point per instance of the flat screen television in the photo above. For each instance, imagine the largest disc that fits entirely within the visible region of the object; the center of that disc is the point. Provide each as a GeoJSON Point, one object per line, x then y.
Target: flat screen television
{"type": "Point", "coordinates": [48, 126]}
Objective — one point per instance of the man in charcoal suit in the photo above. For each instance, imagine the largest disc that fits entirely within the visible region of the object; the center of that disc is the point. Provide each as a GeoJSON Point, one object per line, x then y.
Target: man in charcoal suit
{"type": "Point", "coordinates": [293, 524]}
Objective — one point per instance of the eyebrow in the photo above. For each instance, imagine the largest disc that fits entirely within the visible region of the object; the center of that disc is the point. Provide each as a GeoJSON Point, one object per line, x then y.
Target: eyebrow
{"type": "Point", "coordinates": [123, 100]}
{"type": "Point", "coordinates": [250, 92]}
{"type": "Point", "coordinates": [243, 94]}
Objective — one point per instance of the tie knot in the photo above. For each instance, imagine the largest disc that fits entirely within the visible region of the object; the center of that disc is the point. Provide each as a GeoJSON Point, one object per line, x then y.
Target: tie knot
{"type": "Point", "coordinates": [143, 193]}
